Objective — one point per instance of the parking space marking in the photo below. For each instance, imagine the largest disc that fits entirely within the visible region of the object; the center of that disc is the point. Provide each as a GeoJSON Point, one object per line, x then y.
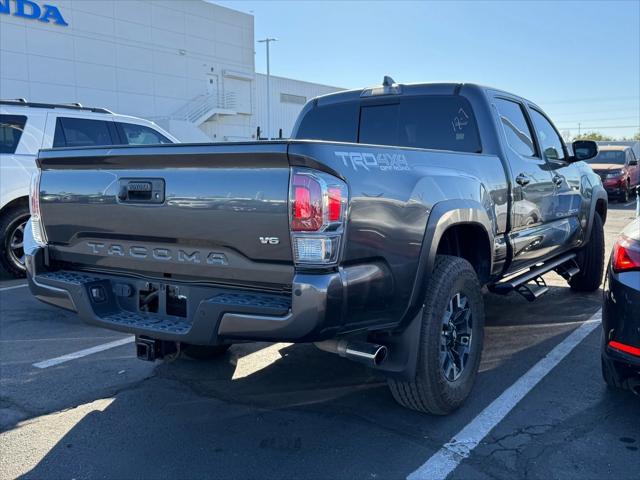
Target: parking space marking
{"type": "Point", "coordinates": [13, 287]}
{"type": "Point", "coordinates": [445, 460]}
{"type": "Point", "coordinates": [83, 353]}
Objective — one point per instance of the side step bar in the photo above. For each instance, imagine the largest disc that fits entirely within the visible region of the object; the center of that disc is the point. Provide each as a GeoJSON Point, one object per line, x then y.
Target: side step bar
{"type": "Point", "coordinates": [564, 265]}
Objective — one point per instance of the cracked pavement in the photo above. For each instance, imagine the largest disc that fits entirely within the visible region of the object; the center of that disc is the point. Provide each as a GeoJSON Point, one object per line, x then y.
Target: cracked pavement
{"type": "Point", "coordinates": [290, 411]}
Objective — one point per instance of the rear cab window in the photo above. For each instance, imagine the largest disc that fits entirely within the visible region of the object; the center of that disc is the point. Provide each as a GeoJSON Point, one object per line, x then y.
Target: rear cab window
{"type": "Point", "coordinates": [11, 128]}
{"type": "Point", "coordinates": [441, 122]}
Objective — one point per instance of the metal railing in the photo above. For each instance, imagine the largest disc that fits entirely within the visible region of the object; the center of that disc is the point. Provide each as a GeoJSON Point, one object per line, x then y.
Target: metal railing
{"type": "Point", "coordinates": [202, 107]}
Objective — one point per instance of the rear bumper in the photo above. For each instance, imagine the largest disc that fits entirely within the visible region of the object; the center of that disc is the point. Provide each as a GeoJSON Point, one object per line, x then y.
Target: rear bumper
{"type": "Point", "coordinates": [211, 315]}
{"type": "Point", "coordinates": [620, 320]}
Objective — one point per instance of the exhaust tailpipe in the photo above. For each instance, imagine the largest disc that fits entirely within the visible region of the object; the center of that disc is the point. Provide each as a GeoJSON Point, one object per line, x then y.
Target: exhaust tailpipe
{"type": "Point", "coordinates": [370, 354]}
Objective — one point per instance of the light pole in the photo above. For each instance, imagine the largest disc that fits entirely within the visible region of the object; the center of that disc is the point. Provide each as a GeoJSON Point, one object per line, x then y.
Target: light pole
{"type": "Point", "coordinates": [268, 41]}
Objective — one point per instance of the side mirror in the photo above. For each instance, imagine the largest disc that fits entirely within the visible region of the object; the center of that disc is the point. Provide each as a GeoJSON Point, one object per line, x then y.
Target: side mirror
{"type": "Point", "coordinates": [584, 150]}
{"type": "Point", "coordinates": [633, 162]}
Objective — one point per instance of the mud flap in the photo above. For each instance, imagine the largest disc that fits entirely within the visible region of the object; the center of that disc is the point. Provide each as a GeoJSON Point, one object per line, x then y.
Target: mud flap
{"type": "Point", "coordinates": [403, 350]}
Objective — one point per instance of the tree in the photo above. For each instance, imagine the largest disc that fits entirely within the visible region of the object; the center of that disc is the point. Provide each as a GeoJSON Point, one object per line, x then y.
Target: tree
{"type": "Point", "coordinates": [596, 136]}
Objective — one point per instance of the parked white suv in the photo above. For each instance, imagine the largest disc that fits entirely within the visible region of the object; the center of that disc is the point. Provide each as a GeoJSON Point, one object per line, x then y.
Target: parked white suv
{"type": "Point", "coordinates": [27, 127]}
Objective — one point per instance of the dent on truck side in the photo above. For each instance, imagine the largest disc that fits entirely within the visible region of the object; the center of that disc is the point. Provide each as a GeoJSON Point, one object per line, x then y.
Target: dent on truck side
{"type": "Point", "coordinates": [401, 203]}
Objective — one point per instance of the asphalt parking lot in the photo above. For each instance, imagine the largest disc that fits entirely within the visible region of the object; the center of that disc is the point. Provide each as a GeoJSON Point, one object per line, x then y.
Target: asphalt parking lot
{"type": "Point", "coordinates": [291, 411]}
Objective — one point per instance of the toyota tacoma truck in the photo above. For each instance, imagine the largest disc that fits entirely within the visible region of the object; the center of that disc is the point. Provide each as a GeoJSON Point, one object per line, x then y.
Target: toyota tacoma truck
{"type": "Point", "coordinates": [372, 232]}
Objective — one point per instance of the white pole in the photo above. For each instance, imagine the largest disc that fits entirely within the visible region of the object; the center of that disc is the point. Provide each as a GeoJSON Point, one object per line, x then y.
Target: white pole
{"type": "Point", "coordinates": [268, 95]}
{"type": "Point", "coordinates": [268, 41]}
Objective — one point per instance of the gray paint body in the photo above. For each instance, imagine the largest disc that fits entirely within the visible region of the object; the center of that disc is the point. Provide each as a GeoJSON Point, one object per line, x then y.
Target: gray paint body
{"type": "Point", "coordinates": [221, 198]}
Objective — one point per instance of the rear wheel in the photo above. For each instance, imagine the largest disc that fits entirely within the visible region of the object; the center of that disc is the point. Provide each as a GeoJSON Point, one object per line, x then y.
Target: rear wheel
{"type": "Point", "coordinates": [590, 259]}
{"type": "Point", "coordinates": [204, 352]}
{"type": "Point", "coordinates": [12, 225]}
{"type": "Point", "coordinates": [451, 339]}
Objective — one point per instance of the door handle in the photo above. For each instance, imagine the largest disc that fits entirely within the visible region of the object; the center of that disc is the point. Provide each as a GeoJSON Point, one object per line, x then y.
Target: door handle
{"type": "Point", "coordinates": [523, 179]}
{"type": "Point", "coordinates": [558, 179]}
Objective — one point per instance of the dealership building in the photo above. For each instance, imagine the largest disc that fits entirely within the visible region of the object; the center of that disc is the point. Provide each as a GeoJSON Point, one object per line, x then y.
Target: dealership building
{"type": "Point", "coordinates": [189, 65]}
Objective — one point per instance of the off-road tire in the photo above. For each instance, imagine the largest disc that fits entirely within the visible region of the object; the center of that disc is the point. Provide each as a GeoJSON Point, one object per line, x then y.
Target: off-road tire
{"type": "Point", "coordinates": [430, 391]}
{"type": "Point", "coordinates": [590, 260]}
{"type": "Point", "coordinates": [8, 222]}
{"type": "Point", "coordinates": [204, 352]}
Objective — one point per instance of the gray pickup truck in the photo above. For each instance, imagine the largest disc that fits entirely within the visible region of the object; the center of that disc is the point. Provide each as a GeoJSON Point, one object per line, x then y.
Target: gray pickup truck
{"type": "Point", "coordinates": [371, 232]}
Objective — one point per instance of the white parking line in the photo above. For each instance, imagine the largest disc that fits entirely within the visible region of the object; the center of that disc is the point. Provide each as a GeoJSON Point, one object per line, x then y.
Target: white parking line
{"type": "Point", "coordinates": [83, 353]}
{"type": "Point", "coordinates": [445, 460]}
{"type": "Point", "coordinates": [13, 287]}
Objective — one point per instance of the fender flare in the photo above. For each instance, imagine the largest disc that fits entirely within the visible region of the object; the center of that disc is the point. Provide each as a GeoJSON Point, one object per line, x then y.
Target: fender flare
{"type": "Point", "coordinates": [599, 193]}
{"type": "Point", "coordinates": [444, 215]}
{"type": "Point", "coordinates": [403, 345]}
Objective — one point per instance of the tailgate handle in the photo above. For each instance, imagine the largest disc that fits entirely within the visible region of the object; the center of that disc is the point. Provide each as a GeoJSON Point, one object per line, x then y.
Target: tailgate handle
{"type": "Point", "coordinates": [141, 190]}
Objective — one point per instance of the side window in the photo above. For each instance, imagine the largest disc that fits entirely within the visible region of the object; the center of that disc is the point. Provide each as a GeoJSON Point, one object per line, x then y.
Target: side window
{"type": "Point", "coordinates": [333, 123]}
{"type": "Point", "coordinates": [81, 132]}
{"type": "Point", "coordinates": [141, 135]}
{"type": "Point", "coordinates": [11, 128]}
{"type": "Point", "coordinates": [515, 127]}
{"type": "Point", "coordinates": [550, 141]}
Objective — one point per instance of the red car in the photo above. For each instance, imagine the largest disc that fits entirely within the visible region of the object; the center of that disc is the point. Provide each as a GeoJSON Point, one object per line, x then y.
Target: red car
{"type": "Point", "coordinates": [618, 168]}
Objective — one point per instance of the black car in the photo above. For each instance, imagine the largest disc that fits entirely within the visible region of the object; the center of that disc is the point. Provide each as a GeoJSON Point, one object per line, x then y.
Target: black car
{"type": "Point", "coordinates": [621, 312]}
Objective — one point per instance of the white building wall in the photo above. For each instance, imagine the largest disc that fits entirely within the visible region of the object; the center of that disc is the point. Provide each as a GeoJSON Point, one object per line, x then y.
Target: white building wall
{"type": "Point", "coordinates": [283, 111]}
{"type": "Point", "coordinates": [143, 58]}
{"type": "Point", "coordinates": [187, 64]}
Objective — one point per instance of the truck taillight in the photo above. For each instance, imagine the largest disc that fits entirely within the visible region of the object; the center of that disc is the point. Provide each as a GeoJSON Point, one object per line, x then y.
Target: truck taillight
{"type": "Point", "coordinates": [626, 255]}
{"type": "Point", "coordinates": [317, 212]}
{"type": "Point", "coordinates": [34, 206]}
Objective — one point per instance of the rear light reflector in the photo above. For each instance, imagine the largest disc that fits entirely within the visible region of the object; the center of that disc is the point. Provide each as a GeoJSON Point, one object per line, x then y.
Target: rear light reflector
{"type": "Point", "coordinates": [317, 209]}
{"type": "Point", "coordinates": [39, 235]}
{"type": "Point", "coordinates": [626, 255]}
{"type": "Point", "coordinates": [625, 348]}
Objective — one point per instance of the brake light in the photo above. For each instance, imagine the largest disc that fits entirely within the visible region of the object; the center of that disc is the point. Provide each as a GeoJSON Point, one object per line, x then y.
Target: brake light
{"type": "Point", "coordinates": [335, 204]}
{"type": "Point", "coordinates": [626, 255]}
{"type": "Point", "coordinates": [307, 204]}
{"type": "Point", "coordinates": [317, 211]}
{"type": "Point", "coordinates": [37, 227]}
{"type": "Point", "coordinates": [625, 348]}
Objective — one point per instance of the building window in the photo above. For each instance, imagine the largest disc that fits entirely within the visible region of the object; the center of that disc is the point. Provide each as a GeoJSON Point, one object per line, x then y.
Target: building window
{"type": "Point", "coordinates": [289, 98]}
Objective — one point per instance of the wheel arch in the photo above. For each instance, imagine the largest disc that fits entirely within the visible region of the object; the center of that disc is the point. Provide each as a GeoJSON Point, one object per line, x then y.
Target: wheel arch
{"type": "Point", "coordinates": [19, 201]}
{"type": "Point", "coordinates": [448, 223]}
{"type": "Point", "coordinates": [599, 206]}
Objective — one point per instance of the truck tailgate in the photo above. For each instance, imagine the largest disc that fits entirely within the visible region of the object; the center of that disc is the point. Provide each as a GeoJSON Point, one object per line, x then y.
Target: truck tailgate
{"type": "Point", "coordinates": [214, 212]}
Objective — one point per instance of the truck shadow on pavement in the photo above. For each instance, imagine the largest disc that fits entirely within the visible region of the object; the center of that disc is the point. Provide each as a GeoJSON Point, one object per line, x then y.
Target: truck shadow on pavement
{"type": "Point", "coordinates": [287, 411]}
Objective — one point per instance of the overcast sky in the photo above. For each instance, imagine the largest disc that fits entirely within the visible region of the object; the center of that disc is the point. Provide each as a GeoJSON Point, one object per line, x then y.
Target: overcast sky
{"type": "Point", "coordinates": [580, 60]}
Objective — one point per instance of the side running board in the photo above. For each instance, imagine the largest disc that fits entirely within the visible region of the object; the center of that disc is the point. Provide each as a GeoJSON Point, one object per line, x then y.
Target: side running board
{"type": "Point", "coordinates": [530, 283]}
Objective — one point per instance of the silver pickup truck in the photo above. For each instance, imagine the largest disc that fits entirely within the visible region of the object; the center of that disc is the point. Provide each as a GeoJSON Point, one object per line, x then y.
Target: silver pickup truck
{"type": "Point", "coordinates": [370, 233]}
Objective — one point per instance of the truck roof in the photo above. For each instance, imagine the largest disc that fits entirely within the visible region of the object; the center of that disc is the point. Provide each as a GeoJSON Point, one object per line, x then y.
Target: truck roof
{"type": "Point", "coordinates": [428, 88]}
